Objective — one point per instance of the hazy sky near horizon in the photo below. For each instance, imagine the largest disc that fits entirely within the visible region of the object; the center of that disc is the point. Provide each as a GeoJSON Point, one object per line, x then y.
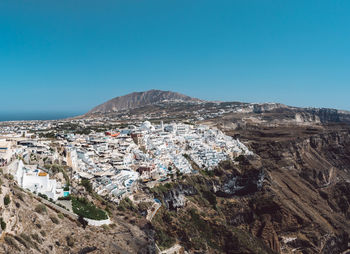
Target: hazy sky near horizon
{"type": "Point", "coordinates": [69, 56]}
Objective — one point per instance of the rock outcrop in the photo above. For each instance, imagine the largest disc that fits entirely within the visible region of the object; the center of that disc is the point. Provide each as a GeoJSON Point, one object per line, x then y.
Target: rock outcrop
{"type": "Point", "coordinates": [240, 185]}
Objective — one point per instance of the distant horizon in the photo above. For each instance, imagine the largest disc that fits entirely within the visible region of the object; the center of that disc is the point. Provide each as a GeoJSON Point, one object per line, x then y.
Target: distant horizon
{"type": "Point", "coordinates": [42, 115]}
{"type": "Point", "coordinates": [33, 116]}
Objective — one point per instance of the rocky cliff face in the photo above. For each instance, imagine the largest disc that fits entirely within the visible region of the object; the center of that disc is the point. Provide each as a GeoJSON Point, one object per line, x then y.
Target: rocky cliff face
{"type": "Point", "coordinates": [294, 195]}
{"type": "Point", "coordinates": [308, 182]}
{"type": "Point", "coordinates": [175, 197]}
{"type": "Point", "coordinates": [277, 115]}
{"type": "Point", "coordinates": [236, 184]}
{"type": "Point", "coordinates": [195, 214]}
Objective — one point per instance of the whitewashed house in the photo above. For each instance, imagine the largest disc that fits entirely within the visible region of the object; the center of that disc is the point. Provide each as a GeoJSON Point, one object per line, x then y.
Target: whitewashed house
{"type": "Point", "coordinates": [36, 181]}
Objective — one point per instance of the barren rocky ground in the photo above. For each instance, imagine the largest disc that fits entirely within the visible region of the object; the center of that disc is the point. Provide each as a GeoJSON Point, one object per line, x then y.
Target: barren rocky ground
{"type": "Point", "coordinates": [35, 228]}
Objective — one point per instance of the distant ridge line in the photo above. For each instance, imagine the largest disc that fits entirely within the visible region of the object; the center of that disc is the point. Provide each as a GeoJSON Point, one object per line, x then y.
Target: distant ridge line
{"type": "Point", "coordinates": [140, 99]}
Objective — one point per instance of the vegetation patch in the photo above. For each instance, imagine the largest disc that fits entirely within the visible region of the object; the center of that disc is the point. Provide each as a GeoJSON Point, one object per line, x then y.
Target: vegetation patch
{"type": "Point", "coordinates": [206, 172]}
{"type": "Point", "coordinates": [8, 176]}
{"type": "Point", "coordinates": [19, 195]}
{"type": "Point", "coordinates": [22, 241]}
{"type": "Point", "coordinates": [44, 196]}
{"type": "Point", "coordinates": [84, 208]}
{"type": "Point", "coordinates": [54, 219]}
{"type": "Point", "coordinates": [160, 189]}
{"type": "Point", "coordinates": [60, 215]}
{"type": "Point", "coordinates": [41, 209]}
{"type": "Point", "coordinates": [11, 242]}
{"type": "Point", "coordinates": [36, 238]}
{"type": "Point", "coordinates": [126, 204]}
{"type": "Point", "coordinates": [3, 224]}
{"type": "Point", "coordinates": [208, 195]}
{"type": "Point", "coordinates": [164, 239]}
{"type": "Point", "coordinates": [87, 185]}
{"type": "Point", "coordinates": [28, 240]}
{"type": "Point", "coordinates": [7, 199]}
{"type": "Point", "coordinates": [54, 168]}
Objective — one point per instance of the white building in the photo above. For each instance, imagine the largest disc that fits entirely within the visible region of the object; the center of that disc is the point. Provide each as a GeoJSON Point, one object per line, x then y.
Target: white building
{"type": "Point", "coordinates": [35, 180]}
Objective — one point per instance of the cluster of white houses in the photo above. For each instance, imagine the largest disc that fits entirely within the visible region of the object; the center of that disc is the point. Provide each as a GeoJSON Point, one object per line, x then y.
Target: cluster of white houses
{"type": "Point", "coordinates": [115, 161]}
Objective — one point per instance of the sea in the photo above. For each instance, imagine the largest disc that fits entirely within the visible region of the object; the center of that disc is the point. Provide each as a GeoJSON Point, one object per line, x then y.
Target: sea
{"type": "Point", "coordinates": [25, 116]}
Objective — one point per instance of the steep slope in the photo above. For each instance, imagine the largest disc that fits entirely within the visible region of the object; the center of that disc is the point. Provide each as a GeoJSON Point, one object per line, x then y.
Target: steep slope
{"type": "Point", "coordinates": [140, 99]}
{"type": "Point", "coordinates": [308, 180]}
{"type": "Point", "coordinates": [35, 228]}
{"type": "Point", "coordinates": [292, 197]}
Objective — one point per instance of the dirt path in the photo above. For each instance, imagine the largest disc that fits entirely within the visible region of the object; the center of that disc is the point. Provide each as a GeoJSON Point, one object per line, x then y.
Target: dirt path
{"type": "Point", "coordinates": [153, 211]}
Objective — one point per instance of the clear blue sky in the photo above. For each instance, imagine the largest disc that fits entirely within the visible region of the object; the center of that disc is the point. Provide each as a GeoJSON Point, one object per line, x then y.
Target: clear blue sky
{"type": "Point", "coordinates": [71, 55]}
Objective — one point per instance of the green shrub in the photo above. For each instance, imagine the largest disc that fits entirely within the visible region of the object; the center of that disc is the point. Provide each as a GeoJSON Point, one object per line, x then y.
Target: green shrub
{"type": "Point", "coordinates": [9, 176]}
{"type": "Point", "coordinates": [41, 209]}
{"type": "Point", "coordinates": [207, 172]}
{"type": "Point", "coordinates": [54, 219]}
{"type": "Point", "coordinates": [43, 196]}
{"type": "Point", "coordinates": [60, 205]}
{"type": "Point", "coordinates": [3, 224]}
{"type": "Point", "coordinates": [36, 237]}
{"type": "Point", "coordinates": [87, 185]}
{"type": "Point", "coordinates": [126, 204]}
{"type": "Point", "coordinates": [28, 240]}
{"type": "Point", "coordinates": [7, 199]}
{"type": "Point", "coordinates": [60, 215]}
{"type": "Point", "coordinates": [19, 195]}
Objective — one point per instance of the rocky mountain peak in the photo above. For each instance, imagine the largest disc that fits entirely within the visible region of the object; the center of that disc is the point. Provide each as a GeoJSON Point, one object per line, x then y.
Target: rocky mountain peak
{"type": "Point", "coordinates": [141, 99]}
